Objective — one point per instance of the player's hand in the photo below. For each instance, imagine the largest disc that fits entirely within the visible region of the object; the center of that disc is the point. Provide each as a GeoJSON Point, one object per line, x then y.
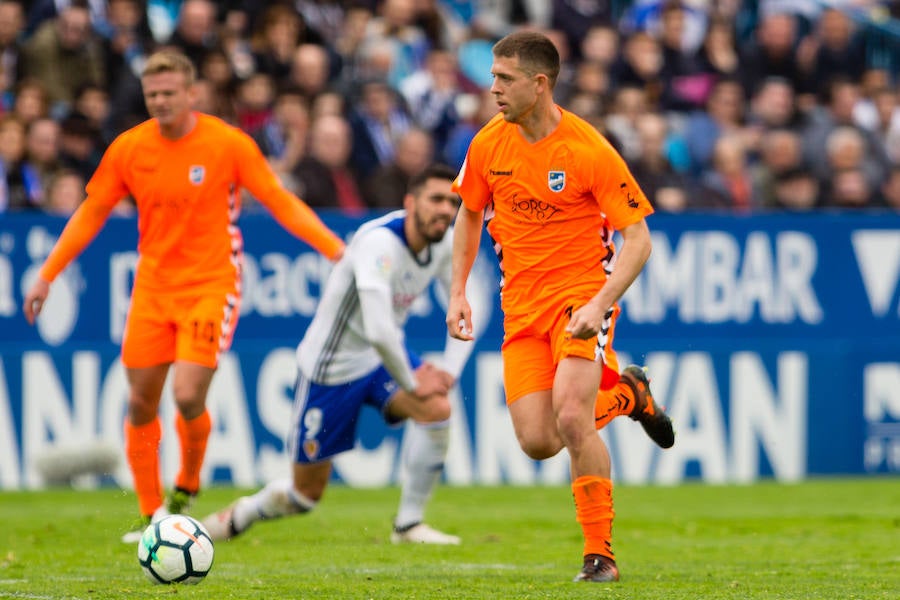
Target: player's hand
{"type": "Point", "coordinates": [430, 380]}
{"type": "Point", "coordinates": [459, 318]}
{"type": "Point", "coordinates": [34, 299]}
{"type": "Point", "coordinates": [586, 321]}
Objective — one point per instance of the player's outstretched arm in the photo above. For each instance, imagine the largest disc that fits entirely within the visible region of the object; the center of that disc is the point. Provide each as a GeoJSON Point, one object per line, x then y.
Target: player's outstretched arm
{"type": "Point", "coordinates": [291, 212]}
{"type": "Point", "coordinates": [82, 228]}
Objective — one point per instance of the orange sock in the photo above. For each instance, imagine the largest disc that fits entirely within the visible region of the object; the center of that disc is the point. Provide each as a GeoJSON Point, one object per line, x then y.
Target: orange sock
{"type": "Point", "coordinates": [612, 403]}
{"type": "Point", "coordinates": [193, 436]}
{"type": "Point", "coordinates": [142, 452]}
{"type": "Point", "coordinates": [594, 511]}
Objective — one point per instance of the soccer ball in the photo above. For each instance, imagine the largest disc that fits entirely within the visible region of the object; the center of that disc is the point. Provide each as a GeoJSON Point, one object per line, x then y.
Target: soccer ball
{"type": "Point", "coordinates": [175, 549]}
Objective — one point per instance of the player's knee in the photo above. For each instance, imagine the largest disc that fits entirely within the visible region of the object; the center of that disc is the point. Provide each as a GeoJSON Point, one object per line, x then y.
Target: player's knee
{"type": "Point", "coordinates": [539, 447]}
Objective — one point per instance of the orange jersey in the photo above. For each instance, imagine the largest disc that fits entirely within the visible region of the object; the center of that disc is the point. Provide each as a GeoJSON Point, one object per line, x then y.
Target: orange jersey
{"type": "Point", "coordinates": [187, 193]}
{"type": "Point", "coordinates": [550, 207]}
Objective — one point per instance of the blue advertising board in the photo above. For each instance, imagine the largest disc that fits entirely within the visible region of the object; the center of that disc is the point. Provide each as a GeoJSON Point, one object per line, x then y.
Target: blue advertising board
{"type": "Point", "coordinates": [773, 340]}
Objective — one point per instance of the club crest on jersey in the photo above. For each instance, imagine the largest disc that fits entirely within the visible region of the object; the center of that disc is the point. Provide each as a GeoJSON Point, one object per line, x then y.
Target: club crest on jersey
{"type": "Point", "coordinates": [196, 174]}
{"type": "Point", "coordinates": [311, 449]}
{"type": "Point", "coordinates": [556, 180]}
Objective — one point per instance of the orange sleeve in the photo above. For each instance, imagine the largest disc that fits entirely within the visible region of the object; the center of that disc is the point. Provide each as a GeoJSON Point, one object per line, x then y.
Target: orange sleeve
{"type": "Point", "coordinates": [618, 193]}
{"type": "Point", "coordinates": [82, 228]}
{"type": "Point", "coordinates": [290, 211]}
{"type": "Point", "coordinates": [470, 183]}
{"type": "Point", "coordinates": [104, 190]}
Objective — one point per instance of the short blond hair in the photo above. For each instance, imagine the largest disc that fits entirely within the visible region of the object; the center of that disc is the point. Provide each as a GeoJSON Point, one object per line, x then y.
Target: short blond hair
{"type": "Point", "coordinates": [170, 61]}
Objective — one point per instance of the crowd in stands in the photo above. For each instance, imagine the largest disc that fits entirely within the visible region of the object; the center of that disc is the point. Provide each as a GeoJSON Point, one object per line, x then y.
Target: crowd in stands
{"type": "Point", "coordinates": [715, 104]}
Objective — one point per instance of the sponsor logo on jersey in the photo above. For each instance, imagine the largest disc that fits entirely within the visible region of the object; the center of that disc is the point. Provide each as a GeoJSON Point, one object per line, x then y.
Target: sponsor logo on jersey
{"type": "Point", "coordinates": [556, 180]}
{"type": "Point", "coordinates": [196, 174]}
{"type": "Point", "coordinates": [500, 173]}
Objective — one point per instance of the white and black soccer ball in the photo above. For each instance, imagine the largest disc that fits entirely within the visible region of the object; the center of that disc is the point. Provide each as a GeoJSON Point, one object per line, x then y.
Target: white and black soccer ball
{"type": "Point", "coordinates": [175, 549]}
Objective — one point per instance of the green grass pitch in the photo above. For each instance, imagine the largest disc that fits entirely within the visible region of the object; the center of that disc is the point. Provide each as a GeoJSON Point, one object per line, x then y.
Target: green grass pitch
{"type": "Point", "coordinates": [824, 539]}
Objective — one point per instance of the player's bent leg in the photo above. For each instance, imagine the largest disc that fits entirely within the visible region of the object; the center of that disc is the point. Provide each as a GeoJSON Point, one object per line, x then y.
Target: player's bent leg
{"type": "Point", "coordinates": [277, 499]}
{"type": "Point", "coordinates": [425, 448]}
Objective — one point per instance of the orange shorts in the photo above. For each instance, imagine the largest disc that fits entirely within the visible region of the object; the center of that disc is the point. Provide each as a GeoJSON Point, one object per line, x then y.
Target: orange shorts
{"type": "Point", "coordinates": [534, 345]}
{"type": "Point", "coordinates": [163, 328]}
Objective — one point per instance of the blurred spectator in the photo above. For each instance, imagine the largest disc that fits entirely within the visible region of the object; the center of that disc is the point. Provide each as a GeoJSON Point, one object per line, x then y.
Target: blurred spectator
{"type": "Point", "coordinates": [324, 178]}
{"type": "Point", "coordinates": [575, 19]}
{"type": "Point", "coordinates": [835, 50]}
{"type": "Point", "coordinates": [601, 45]}
{"type": "Point", "coordinates": [441, 31]}
{"type": "Point", "coordinates": [283, 138]}
{"type": "Point", "coordinates": [629, 105]}
{"type": "Point", "coordinates": [325, 17]}
{"type": "Point", "coordinates": [430, 94]}
{"type": "Point", "coordinates": [780, 152]}
{"type": "Point", "coordinates": [881, 115]}
{"type": "Point", "coordinates": [724, 115]}
{"type": "Point", "coordinates": [648, 15]}
{"type": "Point", "coordinates": [64, 193]}
{"type": "Point", "coordinates": [496, 18]}
{"type": "Point", "coordinates": [64, 54]}
{"type": "Point", "coordinates": [718, 54]}
{"type": "Point", "coordinates": [328, 103]}
{"type": "Point", "coordinates": [348, 43]}
{"type": "Point", "coordinates": [686, 84]}
{"type": "Point", "coordinates": [195, 31]}
{"type": "Point", "coordinates": [12, 26]}
{"type": "Point", "coordinates": [92, 103]}
{"type": "Point", "coordinates": [78, 148]}
{"type": "Point", "coordinates": [280, 30]}
{"type": "Point", "coordinates": [386, 187]}
{"type": "Point", "coordinates": [889, 192]}
{"type": "Point", "coordinates": [667, 190]}
{"type": "Point", "coordinates": [837, 111]}
{"type": "Point", "coordinates": [13, 195]}
{"type": "Point", "coordinates": [395, 41]}
{"type": "Point", "coordinates": [728, 183]}
{"type": "Point", "coordinates": [378, 120]}
{"type": "Point", "coordinates": [126, 40]}
{"type": "Point", "coordinates": [773, 106]}
{"type": "Point", "coordinates": [41, 161]}
{"type": "Point", "coordinates": [849, 188]}
{"type": "Point", "coordinates": [474, 111]}
{"type": "Point", "coordinates": [640, 65]}
{"type": "Point", "coordinates": [310, 70]}
{"type": "Point", "coordinates": [217, 69]}
{"type": "Point", "coordinates": [772, 54]}
{"type": "Point", "coordinates": [796, 190]}
{"type": "Point", "coordinates": [253, 106]}
{"type": "Point", "coordinates": [31, 100]}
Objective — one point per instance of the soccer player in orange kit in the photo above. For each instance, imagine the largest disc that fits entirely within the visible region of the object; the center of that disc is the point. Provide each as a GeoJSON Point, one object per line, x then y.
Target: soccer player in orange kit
{"type": "Point", "coordinates": [184, 171]}
{"type": "Point", "coordinates": [552, 190]}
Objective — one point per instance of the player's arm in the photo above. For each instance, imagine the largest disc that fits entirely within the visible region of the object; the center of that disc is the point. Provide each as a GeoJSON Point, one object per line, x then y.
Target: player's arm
{"type": "Point", "coordinates": [82, 228]}
{"type": "Point", "coordinates": [630, 259]}
{"type": "Point", "coordinates": [466, 241]}
{"type": "Point", "coordinates": [290, 211]}
{"type": "Point", "coordinates": [456, 351]}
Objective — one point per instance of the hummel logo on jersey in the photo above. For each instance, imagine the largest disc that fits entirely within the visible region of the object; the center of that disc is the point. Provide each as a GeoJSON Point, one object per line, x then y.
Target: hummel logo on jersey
{"type": "Point", "coordinates": [501, 173]}
{"type": "Point", "coordinates": [556, 180]}
{"type": "Point", "coordinates": [196, 174]}
{"type": "Point", "coordinates": [630, 198]}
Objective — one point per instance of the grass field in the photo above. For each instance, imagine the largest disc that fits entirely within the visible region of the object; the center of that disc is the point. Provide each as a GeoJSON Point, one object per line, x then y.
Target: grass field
{"type": "Point", "coordinates": [824, 539]}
